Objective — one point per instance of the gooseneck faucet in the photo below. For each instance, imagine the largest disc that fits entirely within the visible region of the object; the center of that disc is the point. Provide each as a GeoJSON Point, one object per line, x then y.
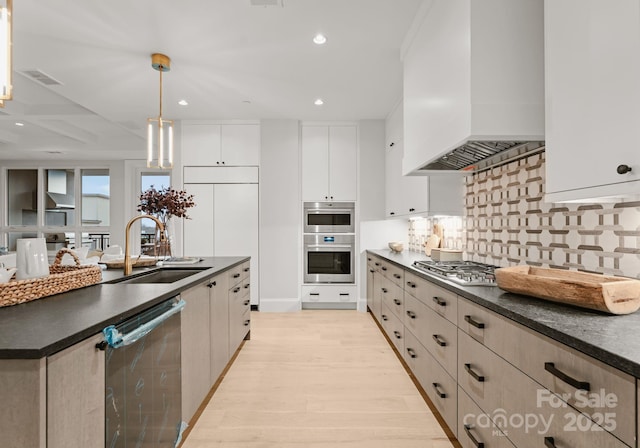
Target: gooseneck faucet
{"type": "Point", "coordinates": [128, 265]}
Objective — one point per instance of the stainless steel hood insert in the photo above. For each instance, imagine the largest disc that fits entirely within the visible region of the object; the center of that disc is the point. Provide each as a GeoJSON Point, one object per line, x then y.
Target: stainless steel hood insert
{"type": "Point", "coordinates": [478, 155]}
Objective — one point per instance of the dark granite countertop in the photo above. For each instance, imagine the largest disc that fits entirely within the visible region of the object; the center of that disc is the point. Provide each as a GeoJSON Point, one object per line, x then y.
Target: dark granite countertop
{"type": "Point", "coordinates": [608, 338]}
{"type": "Point", "coordinates": [45, 326]}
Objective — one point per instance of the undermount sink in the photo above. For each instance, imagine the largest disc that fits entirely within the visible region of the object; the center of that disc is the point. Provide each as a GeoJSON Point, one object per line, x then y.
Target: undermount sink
{"type": "Point", "coordinates": [162, 275]}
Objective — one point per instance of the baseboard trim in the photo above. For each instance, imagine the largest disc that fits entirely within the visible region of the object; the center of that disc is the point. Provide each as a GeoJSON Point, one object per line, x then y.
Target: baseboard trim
{"type": "Point", "coordinates": [329, 305]}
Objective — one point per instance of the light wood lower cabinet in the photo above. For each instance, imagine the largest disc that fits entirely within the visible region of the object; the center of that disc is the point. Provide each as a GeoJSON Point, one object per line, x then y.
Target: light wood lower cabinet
{"type": "Point", "coordinates": [499, 384]}
{"type": "Point", "coordinates": [76, 396]}
{"type": "Point", "coordinates": [219, 319]}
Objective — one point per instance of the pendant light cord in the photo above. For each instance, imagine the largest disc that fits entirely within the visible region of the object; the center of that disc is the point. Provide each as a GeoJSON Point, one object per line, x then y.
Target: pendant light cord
{"type": "Point", "coordinates": [161, 68]}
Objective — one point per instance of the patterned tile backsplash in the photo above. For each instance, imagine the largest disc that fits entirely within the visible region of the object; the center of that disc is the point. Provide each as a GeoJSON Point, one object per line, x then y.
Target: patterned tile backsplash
{"type": "Point", "coordinates": [508, 223]}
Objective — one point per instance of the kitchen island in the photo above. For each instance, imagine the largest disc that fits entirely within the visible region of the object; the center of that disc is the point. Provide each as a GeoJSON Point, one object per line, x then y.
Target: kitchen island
{"type": "Point", "coordinates": [486, 358]}
{"type": "Point", "coordinates": [52, 375]}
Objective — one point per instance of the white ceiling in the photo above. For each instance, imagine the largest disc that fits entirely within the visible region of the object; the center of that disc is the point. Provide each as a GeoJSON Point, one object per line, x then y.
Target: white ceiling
{"type": "Point", "coordinates": [225, 53]}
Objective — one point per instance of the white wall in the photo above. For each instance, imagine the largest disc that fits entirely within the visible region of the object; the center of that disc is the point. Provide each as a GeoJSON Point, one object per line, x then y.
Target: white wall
{"type": "Point", "coordinates": [280, 216]}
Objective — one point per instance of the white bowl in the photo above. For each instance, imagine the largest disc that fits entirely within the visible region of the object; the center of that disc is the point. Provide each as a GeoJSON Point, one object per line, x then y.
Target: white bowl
{"type": "Point", "coordinates": [396, 246]}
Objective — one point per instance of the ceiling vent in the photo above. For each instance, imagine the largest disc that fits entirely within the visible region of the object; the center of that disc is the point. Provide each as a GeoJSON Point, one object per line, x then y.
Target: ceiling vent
{"type": "Point", "coordinates": [267, 3]}
{"type": "Point", "coordinates": [42, 77]}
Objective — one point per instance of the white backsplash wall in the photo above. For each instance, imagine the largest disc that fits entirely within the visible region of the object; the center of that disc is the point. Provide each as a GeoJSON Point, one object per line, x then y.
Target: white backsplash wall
{"type": "Point", "coordinates": [508, 223]}
{"type": "Point", "coordinates": [421, 228]}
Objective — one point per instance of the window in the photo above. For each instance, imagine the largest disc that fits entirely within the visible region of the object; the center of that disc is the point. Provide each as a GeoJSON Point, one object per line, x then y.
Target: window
{"type": "Point", "coordinates": [44, 203]}
{"type": "Point", "coordinates": [147, 226]}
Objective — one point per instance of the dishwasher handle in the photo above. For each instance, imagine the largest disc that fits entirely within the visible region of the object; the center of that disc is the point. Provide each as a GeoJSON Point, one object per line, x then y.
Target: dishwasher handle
{"type": "Point", "coordinates": [115, 339]}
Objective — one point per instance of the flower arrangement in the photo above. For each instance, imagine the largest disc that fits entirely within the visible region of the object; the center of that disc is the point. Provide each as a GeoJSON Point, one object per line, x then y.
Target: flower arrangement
{"type": "Point", "coordinates": [165, 203]}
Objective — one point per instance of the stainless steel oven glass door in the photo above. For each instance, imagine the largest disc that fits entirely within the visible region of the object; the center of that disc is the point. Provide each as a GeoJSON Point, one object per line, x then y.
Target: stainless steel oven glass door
{"type": "Point", "coordinates": [329, 258]}
{"type": "Point", "coordinates": [329, 217]}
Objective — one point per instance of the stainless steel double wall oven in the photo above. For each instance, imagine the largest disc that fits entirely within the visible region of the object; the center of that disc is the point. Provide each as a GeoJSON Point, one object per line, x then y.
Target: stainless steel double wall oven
{"type": "Point", "coordinates": [329, 242]}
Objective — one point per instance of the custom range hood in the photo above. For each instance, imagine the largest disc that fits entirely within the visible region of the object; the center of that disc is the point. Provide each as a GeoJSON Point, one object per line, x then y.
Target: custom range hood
{"type": "Point", "coordinates": [480, 155]}
{"type": "Point", "coordinates": [473, 85]}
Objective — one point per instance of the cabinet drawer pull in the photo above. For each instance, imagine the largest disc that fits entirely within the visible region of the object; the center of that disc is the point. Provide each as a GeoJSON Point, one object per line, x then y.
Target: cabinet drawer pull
{"type": "Point", "coordinates": [439, 301]}
{"type": "Point", "coordinates": [441, 394]}
{"type": "Point", "coordinates": [551, 368]}
{"type": "Point", "coordinates": [473, 322]}
{"type": "Point", "coordinates": [478, 378]}
{"type": "Point", "coordinates": [412, 352]}
{"type": "Point", "coordinates": [372, 270]}
{"type": "Point", "coordinates": [247, 285]}
{"type": "Point", "coordinates": [467, 429]}
{"type": "Point", "coordinates": [236, 275]}
{"type": "Point", "coordinates": [411, 284]}
{"type": "Point", "coordinates": [397, 302]}
{"type": "Point", "coordinates": [314, 293]}
{"type": "Point", "coordinates": [343, 294]}
{"type": "Point", "coordinates": [377, 264]}
{"type": "Point", "coordinates": [397, 334]}
{"type": "Point", "coordinates": [247, 302]}
{"type": "Point", "coordinates": [102, 345]}
{"type": "Point", "coordinates": [384, 317]}
{"type": "Point", "coordinates": [383, 268]}
{"type": "Point", "coordinates": [623, 169]}
{"type": "Point", "coordinates": [441, 342]}
{"type": "Point", "coordinates": [398, 276]}
{"type": "Point", "coordinates": [211, 285]}
{"type": "Point", "coordinates": [368, 258]}
{"type": "Point", "coordinates": [411, 314]}
{"type": "Point", "coordinates": [246, 269]}
{"type": "Point", "coordinates": [235, 290]}
{"type": "Point", "coordinates": [549, 442]}
{"type": "Point", "coordinates": [247, 322]}
{"type": "Point", "coordinates": [384, 290]}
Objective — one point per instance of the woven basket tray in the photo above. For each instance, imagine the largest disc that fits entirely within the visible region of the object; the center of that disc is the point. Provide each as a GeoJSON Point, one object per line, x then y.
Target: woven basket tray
{"type": "Point", "coordinates": [60, 279]}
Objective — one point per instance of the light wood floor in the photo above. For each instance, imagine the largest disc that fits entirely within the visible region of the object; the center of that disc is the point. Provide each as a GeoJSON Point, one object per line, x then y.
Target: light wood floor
{"type": "Point", "coordinates": [316, 379]}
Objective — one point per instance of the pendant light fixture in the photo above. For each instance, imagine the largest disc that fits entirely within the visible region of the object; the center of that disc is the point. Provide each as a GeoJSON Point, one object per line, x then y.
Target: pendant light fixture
{"type": "Point", "coordinates": [6, 69]}
{"type": "Point", "coordinates": [159, 130]}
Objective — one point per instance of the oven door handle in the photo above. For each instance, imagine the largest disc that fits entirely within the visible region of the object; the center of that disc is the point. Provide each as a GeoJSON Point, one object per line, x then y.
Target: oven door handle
{"type": "Point", "coordinates": [329, 210]}
{"type": "Point", "coordinates": [115, 339]}
{"type": "Point", "coordinates": [329, 246]}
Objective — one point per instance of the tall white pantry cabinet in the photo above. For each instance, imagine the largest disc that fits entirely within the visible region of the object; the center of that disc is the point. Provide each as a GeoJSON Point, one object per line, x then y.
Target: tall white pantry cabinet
{"type": "Point", "coordinates": [220, 168]}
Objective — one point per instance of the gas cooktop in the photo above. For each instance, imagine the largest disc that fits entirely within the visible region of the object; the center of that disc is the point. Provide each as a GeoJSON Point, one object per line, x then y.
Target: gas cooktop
{"type": "Point", "coordinates": [467, 273]}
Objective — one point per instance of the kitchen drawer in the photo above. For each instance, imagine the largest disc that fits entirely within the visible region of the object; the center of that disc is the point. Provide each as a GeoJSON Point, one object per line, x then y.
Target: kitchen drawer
{"type": "Point", "coordinates": [393, 297]}
{"type": "Point", "coordinates": [436, 382]}
{"type": "Point", "coordinates": [246, 270]}
{"type": "Point", "coordinates": [393, 327]}
{"type": "Point", "coordinates": [238, 304]}
{"type": "Point", "coordinates": [246, 288]}
{"type": "Point", "coordinates": [523, 409]}
{"type": "Point", "coordinates": [236, 274]}
{"type": "Point", "coordinates": [236, 293]}
{"type": "Point", "coordinates": [499, 335]}
{"type": "Point", "coordinates": [474, 429]}
{"type": "Point", "coordinates": [439, 299]}
{"type": "Point", "coordinates": [329, 293]}
{"type": "Point", "coordinates": [393, 273]}
{"type": "Point", "coordinates": [239, 326]}
{"type": "Point", "coordinates": [434, 332]}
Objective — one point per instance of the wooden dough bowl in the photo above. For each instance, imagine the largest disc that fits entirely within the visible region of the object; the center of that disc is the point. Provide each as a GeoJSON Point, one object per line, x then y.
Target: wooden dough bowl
{"type": "Point", "coordinates": [615, 295]}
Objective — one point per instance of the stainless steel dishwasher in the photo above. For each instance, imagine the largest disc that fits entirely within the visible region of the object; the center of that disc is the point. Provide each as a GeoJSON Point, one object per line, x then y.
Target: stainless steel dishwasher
{"type": "Point", "coordinates": [143, 386]}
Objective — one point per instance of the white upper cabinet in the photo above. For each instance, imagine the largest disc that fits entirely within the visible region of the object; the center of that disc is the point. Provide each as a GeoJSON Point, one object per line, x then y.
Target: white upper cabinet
{"type": "Point", "coordinates": [220, 144]}
{"type": "Point", "coordinates": [329, 163]}
{"type": "Point", "coordinates": [592, 69]}
{"type": "Point", "coordinates": [473, 70]}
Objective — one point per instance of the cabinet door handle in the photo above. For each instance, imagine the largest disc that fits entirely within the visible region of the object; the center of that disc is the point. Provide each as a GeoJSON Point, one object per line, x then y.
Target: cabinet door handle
{"type": "Point", "coordinates": [344, 294]}
{"type": "Point", "coordinates": [412, 352]}
{"type": "Point", "coordinates": [411, 314]}
{"type": "Point", "coordinates": [398, 276]}
{"type": "Point", "coordinates": [441, 342]}
{"type": "Point", "coordinates": [247, 285]}
{"type": "Point", "coordinates": [384, 317]}
{"type": "Point", "coordinates": [102, 345]}
{"type": "Point", "coordinates": [246, 269]}
{"type": "Point", "coordinates": [397, 334]}
{"type": "Point", "coordinates": [477, 377]}
{"type": "Point", "coordinates": [236, 275]}
{"type": "Point", "coordinates": [235, 290]}
{"type": "Point", "coordinates": [383, 268]}
{"type": "Point", "coordinates": [551, 368]}
{"type": "Point", "coordinates": [368, 258]}
{"type": "Point", "coordinates": [384, 290]}
{"type": "Point", "coordinates": [377, 264]}
{"type": "Point", "coordinates": [372, 270]}
{"type": "Point", "coordinates": [549, 442]}
{"type": "Point", "coordinates": [247, 302]}
{"type": "Point", "coordinates": [397, 302]}
{"type": "Point", "coordinates": [473, 322]}
{"type": "Point", "coordinates": [439, 301]}
{"type": "Point", "coordinates": [412, 209]}
{"type": "Point", "coordinates": [623, 169]}
{"type": "Point", "coordinates": [392, 213]}
{"type": "Point", "coordinates": [314, 293]}
{"type": "Point", "coordinates": [211, 285]}
{"type": "Point", "coordinates": [467, 429]}
{"type": "Point", "coordinates": [247, 322]}
{"type": "Point", "coordinates": [441, 394]}
{"type": "Point", "coordinates": [411, 284]}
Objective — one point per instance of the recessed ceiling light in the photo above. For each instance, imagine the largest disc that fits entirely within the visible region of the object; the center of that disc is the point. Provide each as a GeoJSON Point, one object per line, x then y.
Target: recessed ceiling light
{"type": "Point", "coordinates": [19, 123]}
{"type": "Point", "coordinates": [318, 102]}
{"type": "Point", "coordinates": [183, 103]}
{"type": "Point", "coordinates": [319, 39]}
